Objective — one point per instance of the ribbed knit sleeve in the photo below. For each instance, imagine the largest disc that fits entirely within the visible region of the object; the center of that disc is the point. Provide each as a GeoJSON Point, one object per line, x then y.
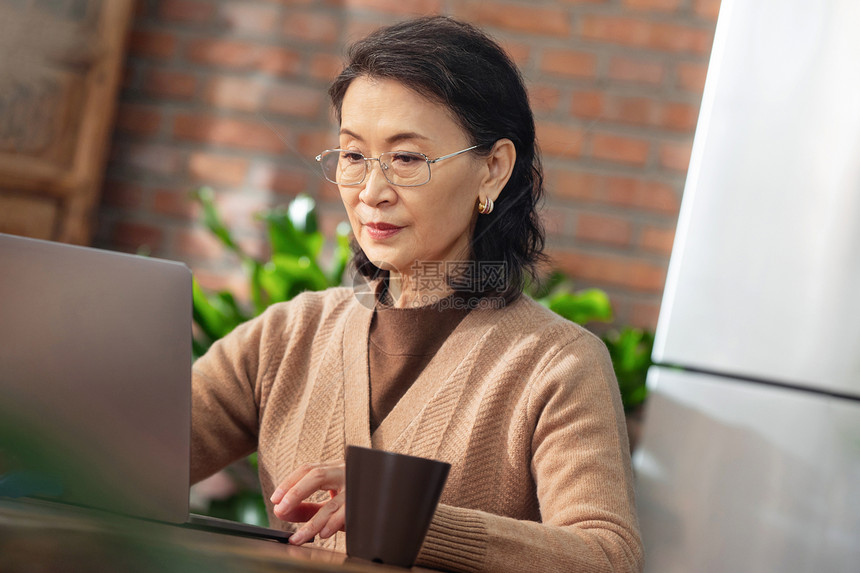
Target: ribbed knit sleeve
{"type": "Point", "coordinates": [225, 399]}
{"type": "Point", "coordinates": [457, 540]}
{"type": "Point", "coordinates": [232, 384]}
{"type": "Point", "coordinates": [581, 468]}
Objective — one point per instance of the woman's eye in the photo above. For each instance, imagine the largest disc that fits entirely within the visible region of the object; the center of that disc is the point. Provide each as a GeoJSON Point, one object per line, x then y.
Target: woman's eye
{"type": "Point", "coordinates": [405, 158]}
{"type": "Point", "coordinates": [352, 156]}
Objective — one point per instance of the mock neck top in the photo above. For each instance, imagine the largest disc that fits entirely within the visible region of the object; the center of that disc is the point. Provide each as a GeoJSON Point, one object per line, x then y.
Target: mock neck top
{"type": "Point", "coordinates": [402, 342]}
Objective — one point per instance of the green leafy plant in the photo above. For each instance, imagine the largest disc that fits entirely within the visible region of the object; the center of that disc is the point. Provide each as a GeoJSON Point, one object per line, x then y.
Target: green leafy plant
{"type": "Point", "coordinates": [630, 350]}
{"type": "Point", "coordinates": [293, 266]}
{"type": "Point", "coordinates": [556, 293]}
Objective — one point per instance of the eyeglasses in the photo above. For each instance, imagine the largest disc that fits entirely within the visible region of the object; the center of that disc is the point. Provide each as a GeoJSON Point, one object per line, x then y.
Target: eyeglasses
{"type": "Point", "coordinates": [401, 168]}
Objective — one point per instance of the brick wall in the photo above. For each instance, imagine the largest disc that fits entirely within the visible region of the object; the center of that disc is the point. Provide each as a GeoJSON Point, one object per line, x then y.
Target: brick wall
{"type": "Point", "coordinates": [231, 93]}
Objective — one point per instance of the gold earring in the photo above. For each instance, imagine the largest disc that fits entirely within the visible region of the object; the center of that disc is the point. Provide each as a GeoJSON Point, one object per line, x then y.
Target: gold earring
{"type": "Point", "coordinates": [485, 207]}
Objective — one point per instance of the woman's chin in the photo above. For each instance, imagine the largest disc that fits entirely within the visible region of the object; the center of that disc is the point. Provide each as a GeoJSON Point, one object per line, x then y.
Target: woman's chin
{"type": "Point", "coordinates": [385, 259]}
{"type": "Point", "coordinates": [386, 265]}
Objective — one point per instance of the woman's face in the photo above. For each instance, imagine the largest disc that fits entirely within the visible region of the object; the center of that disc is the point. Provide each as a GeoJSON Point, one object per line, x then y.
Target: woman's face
{"type": "Point", "coordinates": [397, 226]}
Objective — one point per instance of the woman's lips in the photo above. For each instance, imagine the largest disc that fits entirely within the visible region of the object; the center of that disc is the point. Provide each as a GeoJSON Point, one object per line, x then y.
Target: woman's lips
{"type": "Point", "coordinates": [381, 230]}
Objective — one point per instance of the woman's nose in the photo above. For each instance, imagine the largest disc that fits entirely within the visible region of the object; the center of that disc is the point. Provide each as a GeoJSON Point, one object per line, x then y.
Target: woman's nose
{"type": "Point", "coordinates": [377, 188]}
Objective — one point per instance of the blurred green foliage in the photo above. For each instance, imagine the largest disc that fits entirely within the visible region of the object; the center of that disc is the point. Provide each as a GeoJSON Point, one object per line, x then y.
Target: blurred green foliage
{"type": "Point", "coordinates": [630, 350]}
{"type": "Point", "coordinates": [293, 266]}
{"type": "Point", "coordinates": [556, 293]}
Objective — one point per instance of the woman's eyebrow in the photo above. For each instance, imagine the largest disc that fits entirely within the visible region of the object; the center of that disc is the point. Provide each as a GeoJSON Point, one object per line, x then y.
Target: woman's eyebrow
{"type": "Point", "coordinates": [396, 138]}
{"type": "Point", "coordinates": [354, 135]}
{"type": "Point", "coordinates": [404, 136]}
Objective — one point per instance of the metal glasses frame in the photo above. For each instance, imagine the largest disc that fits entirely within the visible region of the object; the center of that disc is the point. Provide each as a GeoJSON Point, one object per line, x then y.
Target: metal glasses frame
{"type": "Point", "coordinates": [384, 174]}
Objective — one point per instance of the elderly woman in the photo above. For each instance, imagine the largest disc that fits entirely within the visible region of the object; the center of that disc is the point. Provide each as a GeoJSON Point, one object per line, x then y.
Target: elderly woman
{"type": "Point", "coordinates": [438, 171]}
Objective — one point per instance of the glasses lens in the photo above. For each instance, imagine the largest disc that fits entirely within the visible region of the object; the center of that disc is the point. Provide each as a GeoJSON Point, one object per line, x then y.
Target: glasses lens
{"type": "Point", "coordinates": [343, 167]}
{"type": "Point", "coordinates": [404, 168]}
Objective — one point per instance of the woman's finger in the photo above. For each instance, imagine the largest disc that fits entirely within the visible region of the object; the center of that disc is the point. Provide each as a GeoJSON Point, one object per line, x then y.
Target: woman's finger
{"type": "Point", "coordinates": [303, 512]}
{"type": "Point", "coordinates": [330, 511]}
{"type": "Point", "coordinates": [336, 522]}
{"type": "Point", "coordinates": [290, 481]}
{"type": "Point", "coordinates": [304, 482]}
{"type": "Point", "coordinates": [316, 472]}
{"type": "Point", "coordinates": [323, 477]}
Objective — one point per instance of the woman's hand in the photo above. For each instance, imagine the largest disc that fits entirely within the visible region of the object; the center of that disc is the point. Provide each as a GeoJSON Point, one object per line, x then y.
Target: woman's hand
{"type": "Point", "coordinates": [319, 518]}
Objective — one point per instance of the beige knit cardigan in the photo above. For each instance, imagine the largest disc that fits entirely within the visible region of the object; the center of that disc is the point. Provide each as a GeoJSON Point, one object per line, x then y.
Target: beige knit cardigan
{"type": "Point", "coordinates": [522, 403]}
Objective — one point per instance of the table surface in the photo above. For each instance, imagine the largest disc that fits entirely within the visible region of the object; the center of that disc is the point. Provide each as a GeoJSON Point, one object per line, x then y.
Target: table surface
{"type": "Point", "coordinates": [40, 536]}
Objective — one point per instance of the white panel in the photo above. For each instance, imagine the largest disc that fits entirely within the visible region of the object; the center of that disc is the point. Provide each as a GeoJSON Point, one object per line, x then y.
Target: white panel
{"type": "Point", "coordinates": [734, 476]}
{"type": "Point", "coordinates": [765, 274]}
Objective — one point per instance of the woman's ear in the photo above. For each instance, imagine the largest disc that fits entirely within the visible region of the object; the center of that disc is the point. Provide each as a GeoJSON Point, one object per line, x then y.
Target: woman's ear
{"type": "Point", "coordinates": [500, 165]}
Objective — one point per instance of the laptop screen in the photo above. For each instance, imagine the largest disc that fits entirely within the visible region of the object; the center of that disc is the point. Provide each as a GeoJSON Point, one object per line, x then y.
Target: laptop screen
{"type": "Point", "coordinates": [95, 378]}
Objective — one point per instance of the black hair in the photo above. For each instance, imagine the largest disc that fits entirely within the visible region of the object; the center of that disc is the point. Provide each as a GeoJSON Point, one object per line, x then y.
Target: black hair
{"type": "Point", "coordinates": [457, 65]}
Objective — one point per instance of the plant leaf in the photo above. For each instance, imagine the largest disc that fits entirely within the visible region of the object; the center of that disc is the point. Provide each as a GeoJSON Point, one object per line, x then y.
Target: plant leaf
{"type": "Point", "coordinates": [547, 285]}
{"type": "Point", "coordinates": [204, 312]}
{"type": "Point", "coordinates": [284, 237]}
{"type": "Point", "coordinates": [583, 306]}
{"type": "Point", "coordinates": [303, 214]}
{"type": "Point", "coordinates": [630, 351]}
{"type": "Point", "coordinates": [259, 297]}
{"type": "Point", "coordinates": [206, 197]}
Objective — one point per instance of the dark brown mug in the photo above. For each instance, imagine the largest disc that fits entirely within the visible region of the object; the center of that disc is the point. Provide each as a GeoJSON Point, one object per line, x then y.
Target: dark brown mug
{"type": "Point", "coordinates": [390, 500]}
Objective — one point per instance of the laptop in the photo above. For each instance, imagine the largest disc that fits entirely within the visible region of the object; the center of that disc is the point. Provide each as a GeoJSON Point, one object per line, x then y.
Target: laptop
{"type": "Point", "coordinates": [95, 382]}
